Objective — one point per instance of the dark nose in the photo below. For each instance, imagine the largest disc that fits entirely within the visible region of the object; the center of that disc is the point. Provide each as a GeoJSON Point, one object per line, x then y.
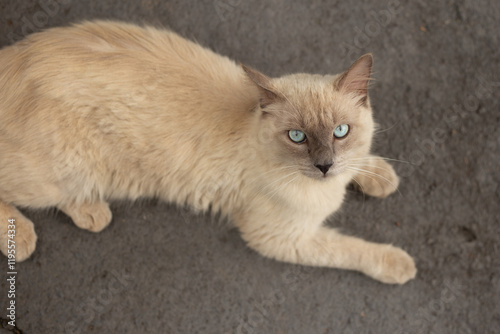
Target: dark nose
{"type": "Point", "coordinates": [323, 168]}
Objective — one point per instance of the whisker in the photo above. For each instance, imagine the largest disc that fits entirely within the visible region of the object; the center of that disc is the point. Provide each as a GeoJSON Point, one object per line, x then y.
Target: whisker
{"type": "Point", "coordinates": [394, 125]}
{"type": "Point", "coordinates": [363, 165]}
{"type": "Point", "coordinates": [362, 189]}
{"type": "Point", "coordinates": [278, 189]}
{"type": "Point", "coordinates": [279, 179]}
{"type": "Point", "coordinates": [371, 173]}
{"type": "Point", "coordinates": [368, 173]}
{"type": "Point", "coordinates": [365, 173]}
{"type": "Point", "coordinates": [277, 169]}
{"type": "Point", "coordinates": [371, 158]}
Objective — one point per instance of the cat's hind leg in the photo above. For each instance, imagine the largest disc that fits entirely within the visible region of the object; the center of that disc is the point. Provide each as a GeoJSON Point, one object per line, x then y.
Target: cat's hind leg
{"type": "Point", "coordinates": [17, 233]}
{"type": "Point", "coordinates": [375, 177]}
{"type": "Point", "coordinates": [92, 216]}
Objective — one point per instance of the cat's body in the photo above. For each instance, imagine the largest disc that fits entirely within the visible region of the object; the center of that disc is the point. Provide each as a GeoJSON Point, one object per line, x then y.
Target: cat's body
{"type": "Point", "coordinates": [104, 110]}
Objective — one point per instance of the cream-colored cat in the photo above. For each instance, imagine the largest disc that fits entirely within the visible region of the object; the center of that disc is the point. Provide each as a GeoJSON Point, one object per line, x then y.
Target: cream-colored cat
{"type": "Point", "coordinates": [106, 110]}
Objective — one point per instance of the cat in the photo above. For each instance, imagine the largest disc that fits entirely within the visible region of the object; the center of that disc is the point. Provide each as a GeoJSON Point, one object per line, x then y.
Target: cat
{"type": "Point", "coordinates": [105, 110]}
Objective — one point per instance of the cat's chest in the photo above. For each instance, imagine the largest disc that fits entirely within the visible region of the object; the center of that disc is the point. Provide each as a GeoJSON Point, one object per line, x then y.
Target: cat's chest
{"type": "Point", "coordinates": [324, 198]}
{"type": "Point", "coordinates": [313, 198]}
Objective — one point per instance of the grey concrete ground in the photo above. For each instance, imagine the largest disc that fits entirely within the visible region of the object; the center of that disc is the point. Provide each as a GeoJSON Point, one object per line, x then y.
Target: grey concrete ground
{"type": "Point", "coordinates": [161, 269]}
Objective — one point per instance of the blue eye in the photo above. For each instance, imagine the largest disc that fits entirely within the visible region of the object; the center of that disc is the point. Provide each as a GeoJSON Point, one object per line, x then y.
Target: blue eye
{"type": "Point", "coordinates": [341, 131]}
{"type": "Point", "coordinates": [297, 136]}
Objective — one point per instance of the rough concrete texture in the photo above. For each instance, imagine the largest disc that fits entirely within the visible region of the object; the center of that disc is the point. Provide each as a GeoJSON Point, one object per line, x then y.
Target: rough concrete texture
{"type": "Point", "coordinates": [161, 269]}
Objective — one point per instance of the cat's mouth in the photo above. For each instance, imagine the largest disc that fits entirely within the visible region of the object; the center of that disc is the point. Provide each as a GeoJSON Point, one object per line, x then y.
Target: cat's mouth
{"type": "Point", "coordinates": [317, 174]}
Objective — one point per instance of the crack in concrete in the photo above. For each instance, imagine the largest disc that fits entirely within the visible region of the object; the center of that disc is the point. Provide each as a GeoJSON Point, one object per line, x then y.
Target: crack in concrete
{"type": "Point", "coordinates": [4, 324]}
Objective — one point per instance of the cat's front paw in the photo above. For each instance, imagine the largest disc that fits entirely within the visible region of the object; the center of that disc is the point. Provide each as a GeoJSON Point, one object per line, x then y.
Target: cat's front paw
{"type": "Point", "coordinates": [395, 266]}
{"type": "Point", "coordinates": [377, 178]}
{"type": "Point", "coordinates": [24, 237]}
{"type": "Point", "coordinates": [89, 216]}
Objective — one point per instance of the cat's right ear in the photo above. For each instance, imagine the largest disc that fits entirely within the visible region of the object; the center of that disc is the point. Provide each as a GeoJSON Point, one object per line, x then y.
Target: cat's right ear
{"type": "Point", "coordinates": [356, 78]}
{"type": "Point", "coordinates": [263, 82]}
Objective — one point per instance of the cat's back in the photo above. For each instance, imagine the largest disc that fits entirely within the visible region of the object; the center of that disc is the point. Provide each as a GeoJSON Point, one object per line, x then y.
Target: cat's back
{"type": "Point", "coordinates": [106, 53]}
{"type": "Point", "coordinates": [94, 40]}
{"type": "Point", "coordinates": [103, 68]}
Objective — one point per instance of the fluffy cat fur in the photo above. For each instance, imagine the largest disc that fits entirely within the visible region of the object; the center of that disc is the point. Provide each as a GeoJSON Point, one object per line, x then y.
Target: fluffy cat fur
{"type": "Point", "coordinates": [105, 110]}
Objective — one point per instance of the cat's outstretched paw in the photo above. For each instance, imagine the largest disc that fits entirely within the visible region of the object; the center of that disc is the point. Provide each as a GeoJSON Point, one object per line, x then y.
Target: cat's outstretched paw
{"type": "Point", "coordinates": [89, 216]}
{"type": "Point", "coordinates": [395, 267]}
{"type": "Point", "coordinates": [24, 238]}
{"type": "Point", "coordinates": [377, 178]}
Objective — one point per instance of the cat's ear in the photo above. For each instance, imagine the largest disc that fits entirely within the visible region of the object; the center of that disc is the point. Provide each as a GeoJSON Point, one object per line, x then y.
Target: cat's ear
{"type": "Point", "coordinates": [356, 78]}
{"type": "Point", "coordinates": [267, 95]}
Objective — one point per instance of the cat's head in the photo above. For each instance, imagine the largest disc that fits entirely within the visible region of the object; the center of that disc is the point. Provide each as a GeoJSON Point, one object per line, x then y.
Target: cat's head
{"type": "Point", "coordinates": [318, 125]}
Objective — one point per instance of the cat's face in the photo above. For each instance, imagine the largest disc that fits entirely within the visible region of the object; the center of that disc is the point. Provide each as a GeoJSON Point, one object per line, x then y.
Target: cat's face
{"type": "Point", "coordinates": [315, 125]}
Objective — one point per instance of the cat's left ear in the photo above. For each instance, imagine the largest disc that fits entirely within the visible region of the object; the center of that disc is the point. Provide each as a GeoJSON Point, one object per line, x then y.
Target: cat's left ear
{"type": "Point", "coordinates": [263, 82]}
{"type": "Point", "coordinates": [356, 78]}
